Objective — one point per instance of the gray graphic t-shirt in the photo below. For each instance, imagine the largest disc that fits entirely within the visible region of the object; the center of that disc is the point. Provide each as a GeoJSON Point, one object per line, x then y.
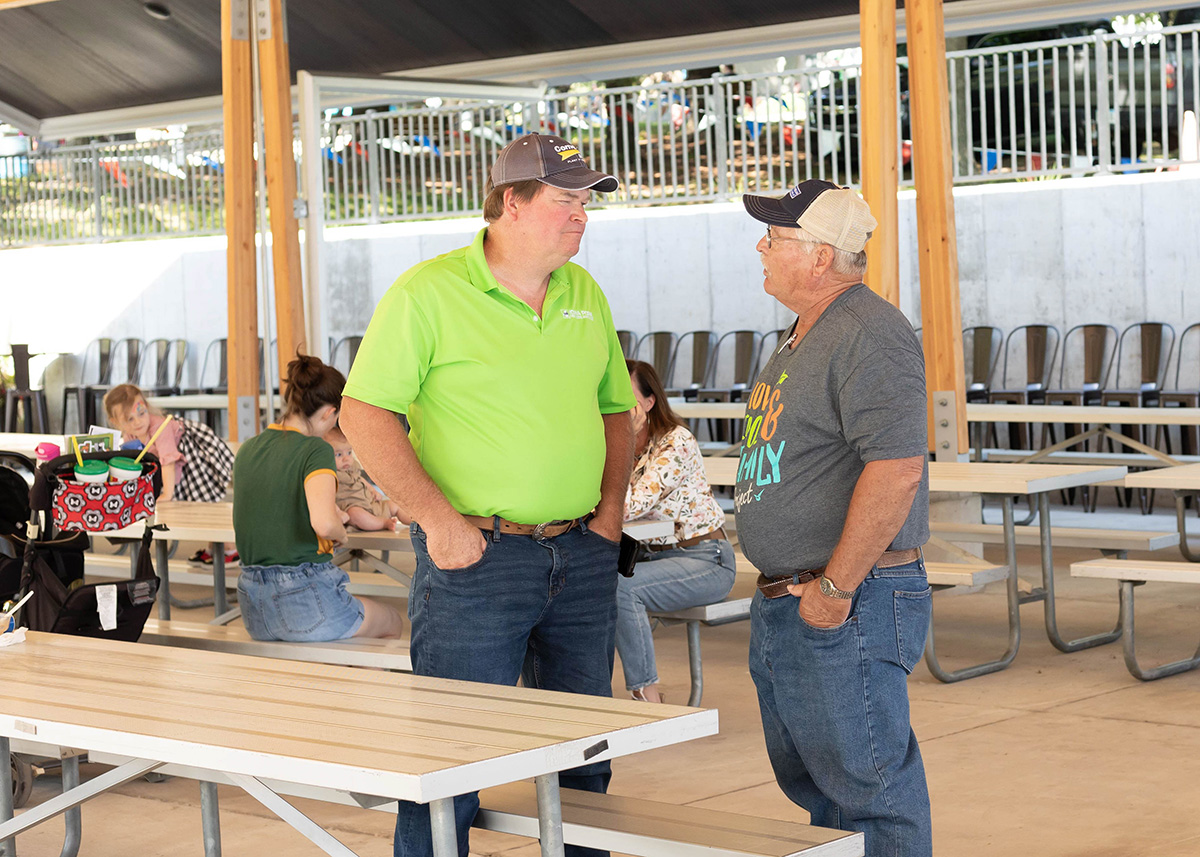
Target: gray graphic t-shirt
{"type": "Point", "coordinates": [850, 392]}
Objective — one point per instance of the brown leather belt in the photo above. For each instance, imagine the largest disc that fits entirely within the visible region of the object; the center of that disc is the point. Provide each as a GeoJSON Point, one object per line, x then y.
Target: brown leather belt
{"type": "Point", "coordinates": [548, 530]}
{"type": "Point", "coordinates": [777, 587]}
{"type": "Point", "coordinates": [718, 533]}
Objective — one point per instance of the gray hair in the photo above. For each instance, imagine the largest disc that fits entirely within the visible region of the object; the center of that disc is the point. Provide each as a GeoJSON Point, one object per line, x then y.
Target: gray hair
{"type": "Point", "coordinates": [845, 263]}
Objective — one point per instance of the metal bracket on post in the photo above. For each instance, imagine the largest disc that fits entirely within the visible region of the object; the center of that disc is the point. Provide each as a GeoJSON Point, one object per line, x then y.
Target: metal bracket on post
{"type": "Point", "coordinates": [247, 417]}
{"type": "Point", "coordinates": [239, 20]}
{"type": "Point", "coordinates": [945, 427]}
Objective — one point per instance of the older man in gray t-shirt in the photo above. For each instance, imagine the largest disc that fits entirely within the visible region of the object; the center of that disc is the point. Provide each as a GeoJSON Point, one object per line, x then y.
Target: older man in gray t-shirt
{"type": "Point", "coordinates": [832, 507]}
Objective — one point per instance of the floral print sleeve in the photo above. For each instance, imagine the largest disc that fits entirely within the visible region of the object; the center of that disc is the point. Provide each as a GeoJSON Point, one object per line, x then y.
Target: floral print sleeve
{"type": "Point", "coordinates": [669, 484]}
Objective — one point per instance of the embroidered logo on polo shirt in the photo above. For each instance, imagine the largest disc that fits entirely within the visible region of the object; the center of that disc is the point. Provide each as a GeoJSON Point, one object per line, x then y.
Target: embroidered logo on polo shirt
{"type": "Point", "coordinates": [577, 313]}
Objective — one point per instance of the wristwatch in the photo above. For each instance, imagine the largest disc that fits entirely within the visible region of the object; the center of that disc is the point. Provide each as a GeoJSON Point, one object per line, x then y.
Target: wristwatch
{"type": "Point", "coordinates": [827, 588]}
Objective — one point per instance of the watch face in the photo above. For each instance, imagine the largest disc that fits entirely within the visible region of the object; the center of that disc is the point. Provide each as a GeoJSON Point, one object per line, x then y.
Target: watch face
{"type": "Point", "coordinates": [832, 591]}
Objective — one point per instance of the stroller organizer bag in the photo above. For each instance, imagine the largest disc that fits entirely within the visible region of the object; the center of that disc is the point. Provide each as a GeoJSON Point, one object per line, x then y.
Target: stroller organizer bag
{"type": "Point", "coordinates": [103, 505]}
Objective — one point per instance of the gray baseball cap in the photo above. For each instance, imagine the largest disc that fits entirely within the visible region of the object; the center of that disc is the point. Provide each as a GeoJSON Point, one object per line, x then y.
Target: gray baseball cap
{"type": "Point", "coordinates": [551, 160]}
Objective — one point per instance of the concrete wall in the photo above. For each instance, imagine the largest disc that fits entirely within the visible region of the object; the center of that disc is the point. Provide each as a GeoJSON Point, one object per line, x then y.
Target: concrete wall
{"type": "Point", "coordinates": [1120, 250]}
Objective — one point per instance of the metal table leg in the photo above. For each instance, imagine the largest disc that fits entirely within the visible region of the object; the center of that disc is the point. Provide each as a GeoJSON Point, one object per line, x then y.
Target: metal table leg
{"type": "Point", "coordinates": [1131, 661]}
{"type": "Point", "coordinates": [549, 814]}
{"type": "Point", "coordinates": [1181, 518]}
{"type": "Point", "coordinates": [695, 664]}
{"type": "Point", "coordinates": [441, 819]}
{"type": "Point", "coordinates": [1046, 593]}
{"type": "Point", "coordinates": [162, 555]}
{"type": "Point", "coordinates": [210, 819]}
{"type": "Point", "coordinates": [220, 605]}
{"type": "Point", "coordinates": [8, 847]}
{"type": "Point", "coordinates": [73, 817]}
{"type": "Point", "coordinates": [1014, 614]}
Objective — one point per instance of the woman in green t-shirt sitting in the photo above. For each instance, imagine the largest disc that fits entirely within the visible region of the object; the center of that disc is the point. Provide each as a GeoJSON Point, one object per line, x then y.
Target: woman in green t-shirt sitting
{"type": "Point", "coordinates": [287, 524]}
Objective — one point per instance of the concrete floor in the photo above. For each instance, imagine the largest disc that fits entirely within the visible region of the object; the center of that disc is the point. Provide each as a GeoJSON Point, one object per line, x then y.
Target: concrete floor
{"type": "Point", "coordinates": [1057, 756]}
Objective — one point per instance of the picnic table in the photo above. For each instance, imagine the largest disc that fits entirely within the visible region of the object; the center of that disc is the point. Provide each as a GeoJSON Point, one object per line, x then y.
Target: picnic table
{"type": "Point", "coordinates": [262, 724]}
{"type": "Point", "coordinates": [1004, 480]}
{"type": "Point", "coordinates": [1184, 480]}
{"type": "Point", "coordinates": [213, 523]}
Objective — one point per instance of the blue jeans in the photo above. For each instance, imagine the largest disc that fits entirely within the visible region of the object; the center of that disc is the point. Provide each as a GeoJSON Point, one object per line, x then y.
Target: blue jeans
{"type": "Point", "coordinates": [834, 706]}
{"type": "Point", "coordinates": [304, 603]}
{"type": "Point", "coordinates": [540, 610]}
{"type": "Point", "coordinates": [702, 573]}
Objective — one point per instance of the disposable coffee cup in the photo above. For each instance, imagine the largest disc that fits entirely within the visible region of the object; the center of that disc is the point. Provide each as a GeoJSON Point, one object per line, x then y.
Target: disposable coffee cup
{"type": "Point", "coordinates": [122, 469]}
{"type": "Point", "coordinates": [91, 471]}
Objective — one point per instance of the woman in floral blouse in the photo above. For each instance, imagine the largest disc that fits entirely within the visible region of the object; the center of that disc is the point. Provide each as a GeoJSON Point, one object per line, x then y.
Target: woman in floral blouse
{"type": "Point", "coordinates": [693, 566]}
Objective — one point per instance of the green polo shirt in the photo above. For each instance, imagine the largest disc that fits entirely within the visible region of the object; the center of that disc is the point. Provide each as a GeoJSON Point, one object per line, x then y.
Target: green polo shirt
{"type": "Point", "coordinates": [504, 405]}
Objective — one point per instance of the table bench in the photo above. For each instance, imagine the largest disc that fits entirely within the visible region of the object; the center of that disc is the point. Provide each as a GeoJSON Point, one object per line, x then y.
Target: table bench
{"type": "Point", "coordinates": [234, 638]}
{"type": "Point", "coordinates": [180, 571]}
{"type": "Point", "coordinates": [634, 826]}
{"type": "Point", "coordinates": [1130, 573]}
{"type": "Point", "coordinates": [1102, 539]}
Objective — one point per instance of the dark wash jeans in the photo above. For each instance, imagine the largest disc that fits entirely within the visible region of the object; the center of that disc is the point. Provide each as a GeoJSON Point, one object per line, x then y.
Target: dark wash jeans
{"type": "Point", "coordinates": [834, 706]}
{"type": "Point", "coordinates": [544, 611]}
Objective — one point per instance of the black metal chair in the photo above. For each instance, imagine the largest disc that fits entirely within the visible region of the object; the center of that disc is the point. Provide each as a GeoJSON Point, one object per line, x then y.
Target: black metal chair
{"type": "Point", "coordinates": [125, 364]}
{"type": "Point", "coordinates": [349, 345]}
{"type": "Point", "coordinates": [1155, 343]}
{"type": "Point", "coordinates": [24, 404]}
{"type": "Point", "coordinates": [167, 359]}
{"type": "Point", "coordinates": [981, 354]}
{"type": "Point", "coordinates": [1185, 393]}
{"type": "Point", "coordinates": [1039, 342]}
{"type": "Point", "coordinates": [658, 349]}
{"type": "Point", "coordinates": [695, 349]}
{"type": "Point", "coordinates": [98, 357]}
{"type": "Point", "coordinates": [733, 371]}
{"type": "Point", "coordinates": [628, 340]}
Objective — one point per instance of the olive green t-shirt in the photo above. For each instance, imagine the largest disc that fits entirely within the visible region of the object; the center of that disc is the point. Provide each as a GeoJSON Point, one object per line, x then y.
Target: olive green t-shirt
{"type": "Point", "coordinates": [505, 405]}
{"type": "Point", "coordinates": [270, 510]}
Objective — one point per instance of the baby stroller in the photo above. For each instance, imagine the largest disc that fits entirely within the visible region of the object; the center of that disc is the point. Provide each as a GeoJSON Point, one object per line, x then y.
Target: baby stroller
{"type": "Point", "coordinates": [51, 564]}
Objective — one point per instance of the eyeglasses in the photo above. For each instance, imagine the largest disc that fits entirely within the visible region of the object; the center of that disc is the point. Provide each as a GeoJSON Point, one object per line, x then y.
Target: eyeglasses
{"type": "Point", "coordinates": [772, 238]}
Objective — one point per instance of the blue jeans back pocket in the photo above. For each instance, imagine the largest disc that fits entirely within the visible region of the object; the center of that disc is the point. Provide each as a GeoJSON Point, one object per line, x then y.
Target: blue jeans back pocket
{"type": "Point", "coordinates": [300, 610]}
{"type": "Point", "coordinates": [912, 624]}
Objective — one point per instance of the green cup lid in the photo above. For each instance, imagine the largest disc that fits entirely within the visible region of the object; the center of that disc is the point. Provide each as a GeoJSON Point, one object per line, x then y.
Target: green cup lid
{"type": "Point", "coordinates": [123, 463]}
{"type": "Point", "coordinates": [92, 468]}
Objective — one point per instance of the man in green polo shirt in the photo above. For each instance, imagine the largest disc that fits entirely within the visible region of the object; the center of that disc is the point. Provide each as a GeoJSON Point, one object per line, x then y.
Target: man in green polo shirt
{"type": "Point", "coordinates": [504, 358]}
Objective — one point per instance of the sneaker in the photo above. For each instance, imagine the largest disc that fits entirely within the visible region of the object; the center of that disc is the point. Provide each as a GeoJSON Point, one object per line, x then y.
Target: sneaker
{"type": "Point", "coordinates": [201, 556]}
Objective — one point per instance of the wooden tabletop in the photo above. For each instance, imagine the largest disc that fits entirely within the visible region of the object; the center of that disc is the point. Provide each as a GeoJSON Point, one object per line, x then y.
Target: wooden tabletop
{"type": "Point", "coordinates": [202, 402]}
{"type": "Point", "coordinates": [971, 477]}
{"type": "Point", "coordinates": [213, 522]}
{"type": "Point", "coordinates": [708, 410]}
{"type": "Point", "coordinates": [1183, 478]}
{"type": "Point", "coordinates": [377, 733]}
{"type": "Point", "coordinates": [1095, 414]}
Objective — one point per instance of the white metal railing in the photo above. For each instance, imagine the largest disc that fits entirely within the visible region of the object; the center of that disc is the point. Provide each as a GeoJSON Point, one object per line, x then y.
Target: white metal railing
{"type": "Point", "coordinates": [1102, 104]}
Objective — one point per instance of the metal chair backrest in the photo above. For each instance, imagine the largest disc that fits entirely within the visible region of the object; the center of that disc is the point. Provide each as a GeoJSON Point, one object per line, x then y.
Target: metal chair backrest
{"type": "Point", "coordinates": [1099, 352]}
{"type": "Point", "coordinates": [126, 361]}
{"type": "Point", "coordinates": [101, 351]}
{"type": "Point", "coordinates": [218, 352]}
{"type": "Point", "coordinates": [658, 349]}
{"type": "Point", "coordinates": [1040, 342]}
{"type": "Point", "coordinates": [740, 372]}
{"type": "Point", "coordinates": [351, 345]}
{"type": "Point", "coordinates": [1191, 381]}
{"type": "Point", "coordinates": [1152, 337]}
{"type": "Point", "coordinates": [20, 359]}
{"type": "Point", "coordinates": [165, 353]}
{"type": "Point", "coordinates": [628, 340]}
{"type": "Point", "coordinates": [981, 353]}
{"type": "Point", "coordinates": [700, 345]}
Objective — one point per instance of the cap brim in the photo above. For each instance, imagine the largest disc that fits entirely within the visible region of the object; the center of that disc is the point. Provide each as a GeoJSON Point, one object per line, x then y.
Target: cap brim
{"type": "Point", "coordinates": [582, 179]}
{"type": "Point", "coordinates": [767, 209]}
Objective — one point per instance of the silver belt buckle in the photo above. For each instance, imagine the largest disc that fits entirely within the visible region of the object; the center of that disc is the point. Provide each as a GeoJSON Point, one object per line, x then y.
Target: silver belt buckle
{"type": "Point", "coordinates": [539, 531]}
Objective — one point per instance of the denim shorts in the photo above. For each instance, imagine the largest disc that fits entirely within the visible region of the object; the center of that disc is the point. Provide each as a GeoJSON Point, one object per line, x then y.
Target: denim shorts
{"type": "Point", "coordinates": [304, 603]}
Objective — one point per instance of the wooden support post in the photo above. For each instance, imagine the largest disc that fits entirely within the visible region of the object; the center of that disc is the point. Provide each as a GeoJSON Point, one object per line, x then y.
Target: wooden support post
{"type": "Point", "coordinates": [275, 73]}
{"type": "Point", "coordinates": [879, 135]}
{"type": "Point", "coordinates": [238, 95]}
{"type": "Point", "coordinates": [941, 314]}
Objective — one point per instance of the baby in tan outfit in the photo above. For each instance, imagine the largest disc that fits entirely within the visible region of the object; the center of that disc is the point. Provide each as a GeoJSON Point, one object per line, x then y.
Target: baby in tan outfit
{"type": "Point", "coordinates": [363, 506]}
